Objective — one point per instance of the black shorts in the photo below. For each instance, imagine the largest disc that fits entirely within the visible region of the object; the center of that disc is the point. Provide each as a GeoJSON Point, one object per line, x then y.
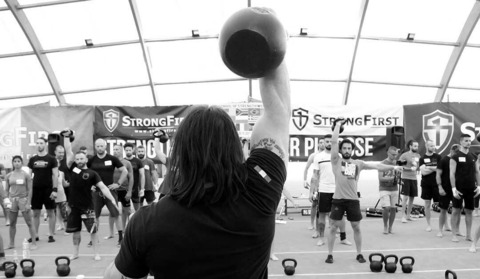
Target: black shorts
{"type": "Point", "coordinates": [99, 201]}
{"type": "Point", "coordinates": [149, 196]}
{"type": "Point", "coordinates": [351, 207]}
{"type": "Point", "coordinates": [75, 218]}
{"type": "Point", "coordinates": [41, 197]}
{"type": "Point", "coordinates": [409, 188]}
{"type": "Point", "coordinates": [467, 199]}
{"type": "Point", "coordinates": [121, 198]}
{"type": "Point", "coordinates": [430, 192]}
{"type": "Point", "coordinates": [325, 202]}
{"type": "Point", "coordinates": [477, 201]}
{"type": "Point", "coordinates": [444, 201]}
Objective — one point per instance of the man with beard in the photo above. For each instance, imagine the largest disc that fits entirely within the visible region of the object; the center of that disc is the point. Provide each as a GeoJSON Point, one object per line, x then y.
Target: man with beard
{"type": "Point", "coordinates": [345, 198]}
{"type": "Point", "coordinates": [388, 190]}
{"type": "Point", "coordinates": [151, 176]}
{"type": "Point", "coordinates": [44, 191]}
{"type": "Point", "coordinates": [306, 185]}
{"type": "Point", "coordinates": [138, 189]}
{"type": "Point", "coordinates": [104, 164]}
{"type": "Point", "coordinates": [80, 205]}
{"type": "Point", "coordinates": [62, 196]}
{"type": "Point", "coordinates": [463, 175]}
{"type": "Point", "coordinates": [323, 183]}
{"type": "Point", "coordinates": [409, 179]}
{"type": "Point", "coordinates": [428, 168]}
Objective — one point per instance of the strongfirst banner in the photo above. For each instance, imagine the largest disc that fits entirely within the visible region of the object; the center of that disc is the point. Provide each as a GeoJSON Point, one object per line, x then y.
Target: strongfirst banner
{"type": "Point", "coordinates": [21, 127]}
{"type": "Point", "coordinates": [443, 123]}
{"type": "Point", "coordinates": [118, 125]}
{"type": "Point", "coordinates": [365, 126]}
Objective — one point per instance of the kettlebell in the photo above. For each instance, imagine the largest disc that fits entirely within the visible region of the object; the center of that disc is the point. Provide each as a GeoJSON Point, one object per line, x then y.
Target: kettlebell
{"type": "Point", "coordinates": [335, 123]}
{"type": "Point", "coordinates": [27, 270]}
{"type": "Point", "coordinates": [407, 267]}
{"type": "Point", "coordinates": [161, 135]}
{"type": "Point", "coordinates": [10, 269]}
{"type": "Point", "coordinates": [64, 268]}
{"type": "Point", "coordinates": [67, 133]}
{"type": "Point", "coordinates": [391, 267]}
{"type": "Point", "coordinates": [252, 42]}
{"type": "Point", "coordinates": [448, 272]}
{"type": "Point", "coordinates": [289, 269]}
{"type": "Point", "coordinates": [376, 266]}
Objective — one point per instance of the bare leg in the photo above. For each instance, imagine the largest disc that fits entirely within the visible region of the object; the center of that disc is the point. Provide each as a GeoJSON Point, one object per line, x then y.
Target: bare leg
{"type": "Point", "coordinates": [321, 222]}
{"type": "Point", "coordinates": [51, 221]}
{"type": "Point", "coordinates": [28, 220]}
{"type": "Point", "coordinates": [94, 239]}
{"type": "Point", "coordinates": [334, 224]}
{"type": "Point", "coordinates": [468, 224]}
{"type": "Point", "coordinates": [357, 236]}
{"type": "Point", "coordinates": [455, 223]}
{"type": "Point", "coordinates": [473, 247]}
{"type": "Point", "coordinates": [391, 219]}
{"type": "Point", "coordinates": [409, 209]}
{"type": "Point", "coordinates": [59, 217]}
{"type": "Point", "coordinates": [36, 220]}
{"type": "Point", "coordinates": [76, 245]}
{"type": "Point", "coordinates": [13, 229]}
{"type": "Point", "coordinates": [442, 222]}
{"type": "Point", "coordinates": [386, 217]}
{"type": "Point", "coordinates": [404, 204]}
{"type": "Point", "coordinates": [111, 220]}
{"type": "Point", "coordinates": [428, 214]}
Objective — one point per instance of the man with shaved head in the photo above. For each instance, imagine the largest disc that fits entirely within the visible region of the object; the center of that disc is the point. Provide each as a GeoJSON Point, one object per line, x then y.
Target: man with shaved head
{"type": "Point", "coordinates": [428, 168]}
{"type": "Point", "coordinates": [104, 164]}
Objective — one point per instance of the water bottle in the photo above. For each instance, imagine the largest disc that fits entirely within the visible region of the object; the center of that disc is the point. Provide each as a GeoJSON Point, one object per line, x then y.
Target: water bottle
{"type": "Point", "coordinates": [15, 257]}
{"type": "Point", "coordinates": [26, 249]}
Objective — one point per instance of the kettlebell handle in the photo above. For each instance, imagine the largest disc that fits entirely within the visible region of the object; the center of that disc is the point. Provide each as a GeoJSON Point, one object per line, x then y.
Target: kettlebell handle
{"type": "Point", "coordinates": [407, 258]}
{"type": "Point", "coordinates": [292, 260]}
{"type": "Point", "coordinates": [382, 257]}
{"type": "Point", "coordinates": [9, 263]}
{"type": "Point", "coordinates": [27, 260]}
{"type": "Point", "coordinates": [62, 258]}
{"type": "Point", "coordinates": [448, 272]}
{"type": "Point", "coordinates": [391, 256]}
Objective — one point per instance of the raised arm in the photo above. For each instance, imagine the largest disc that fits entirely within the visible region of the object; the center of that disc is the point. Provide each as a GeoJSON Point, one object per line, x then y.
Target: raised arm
{"type": "Point", "coordinates": [272, 129]}
{"type": "Point", "coordinates": [334, 152]}
{"type": "Point", "coordinates": [158, 150]}
{"type": "Point", "coordinates": [70, 157]}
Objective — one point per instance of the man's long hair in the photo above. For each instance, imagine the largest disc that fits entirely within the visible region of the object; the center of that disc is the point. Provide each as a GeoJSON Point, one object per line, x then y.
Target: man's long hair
{"type": "Point", "coordinates": [205, 162]}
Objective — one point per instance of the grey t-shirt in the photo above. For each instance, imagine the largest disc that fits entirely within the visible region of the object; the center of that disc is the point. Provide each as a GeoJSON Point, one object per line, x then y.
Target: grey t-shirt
{"type": "Point", "coordinates": [412, 161]}
{"type": "Point", "coordinates": [346, 177]}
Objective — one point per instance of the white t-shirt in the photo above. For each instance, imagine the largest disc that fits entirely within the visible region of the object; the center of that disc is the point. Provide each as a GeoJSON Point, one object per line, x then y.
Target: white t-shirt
{"type": "Point", "coordinates": [321, 162]}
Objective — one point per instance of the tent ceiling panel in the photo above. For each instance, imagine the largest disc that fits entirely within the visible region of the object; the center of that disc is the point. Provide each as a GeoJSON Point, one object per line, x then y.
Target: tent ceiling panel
{"type": "Point", "coordinates": [137, 96]}
{"type": "Point", "coordinates": [432, 20]}
{"type": "Point", "coordinates": [324, 18]}
{"type": "Point", "coordinates": [313, 93]}
{"type": "Point", "coordinates": [12, 103]}
{"type": "Point", "coordinates": [12, 37]}
{"type": "Point", "coordinates": [101, 21]}
{"type": "Point", "coordinates": [187, 60]}
{"type": "Point", "coordinates": [99, 67]}
{"type": "Point", "coordinates": [202, 93]}
{"type": "Point", "coordinates": [401, 62]}
{"type": "Point", "coordinates": [22, 76]}
{"type": "Point", "coordinates": [462, 95]}
{"type": "Point", "coordinates": [178, 18]}
{"type": "Point", "coordinates": [364, 93]}
{"type": "Point", "coordinates": [312, 58]}
{"type": "Point", "coordinates": [468, 68]}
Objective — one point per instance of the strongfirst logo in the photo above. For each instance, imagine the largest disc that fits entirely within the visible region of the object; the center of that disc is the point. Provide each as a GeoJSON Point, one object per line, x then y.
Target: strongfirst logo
{"type": "Point", "coordinates": [438, 127]}
{"type": "Point", "coordinates": [300, 118]}
{"type": "Point", "coordinates": [111, 118]}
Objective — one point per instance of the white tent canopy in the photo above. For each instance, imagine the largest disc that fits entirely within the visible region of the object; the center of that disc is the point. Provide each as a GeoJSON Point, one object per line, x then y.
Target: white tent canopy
{"type": "Point", "coordinates": [143, 53]}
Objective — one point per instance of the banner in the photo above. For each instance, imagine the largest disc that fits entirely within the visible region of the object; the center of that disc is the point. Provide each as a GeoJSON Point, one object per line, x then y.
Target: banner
{"type": "Point", "coordinates": [365, 126]}
{"type": "Point", "coordinates": [443, 123]}
{"type": "Point", "coordinates": [118, 125]}
{"type": "Point", "coordinates": [21, 127]}
{"type": "Point", "coordinates": [244, 115]}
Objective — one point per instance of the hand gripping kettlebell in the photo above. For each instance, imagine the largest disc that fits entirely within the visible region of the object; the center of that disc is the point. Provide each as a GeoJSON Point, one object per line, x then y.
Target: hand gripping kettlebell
{"type": "Point", "coordinates": [10, 269]}
{"type": "Point", "coordinates": [391, 267]}
{"type": "Point", "coordinates": [341, 122]}
{"type": "Point", "coordinates": [161, 135]}
{"type": "Point", "coordinates": [448, 272]}
{"type": "Point", "coordinates": [289, 269]}
{"type": "Point", "coordinates": [407, 267]}
{"type": "Point", "coordinates": [376, 266]}
{"type": "Point", "coordinates": [63, 269]}
{"type": "Point", "coordinates": [28, 269]}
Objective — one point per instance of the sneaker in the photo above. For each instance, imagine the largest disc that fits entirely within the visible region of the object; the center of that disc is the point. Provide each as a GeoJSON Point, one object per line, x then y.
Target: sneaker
{"type": "Point", "coordinates": [60, 228]}
{"type": "Point", "coordinates": [315, 234]}
{"type": "Point", "coordinates": [320, 242]}
{"type": "Point", "coordinates": [97, 258]}
{"type": "Point", "coordinates": [346, 242]}
{"type": "Point", "coordinates": [404, 220]}
{"type": "Point", "coordinates": [33, 247]}
{"type": "Point", "coordinates": [329, 259]}
{"type": "Point", "coordinates": [360, 258]}
{"type": "Point", "coordinates": [89, 244]}
{"type": "Point", "coordinates": [30, 239]}
{"type": "Point", "coordinates": [50, 239]}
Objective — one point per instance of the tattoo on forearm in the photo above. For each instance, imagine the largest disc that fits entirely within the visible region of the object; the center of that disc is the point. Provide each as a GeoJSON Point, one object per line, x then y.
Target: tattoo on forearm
{"type": "Point", "coordinates": [270, 144]}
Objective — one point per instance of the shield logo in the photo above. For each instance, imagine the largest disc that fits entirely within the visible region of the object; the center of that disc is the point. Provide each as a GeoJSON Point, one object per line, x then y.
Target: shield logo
{"type": "Point", "coordinates": [438, 127]}
{"type": "Point", "coordinates": [110, 119]}
{"type": "Point", "coordinates": [300, 118]}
